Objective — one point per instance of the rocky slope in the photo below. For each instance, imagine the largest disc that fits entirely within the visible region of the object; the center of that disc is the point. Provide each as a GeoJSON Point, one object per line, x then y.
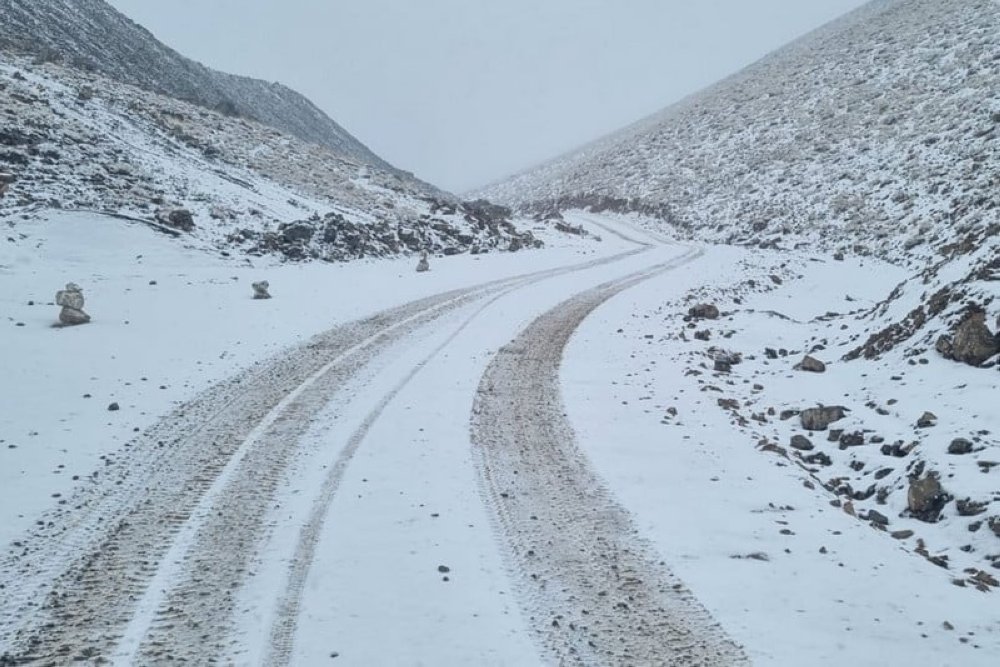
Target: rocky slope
{"type": "Point", "coordinates": [872, 140]}
{"type": "Point", "coordinates": [90, 34]}
{"type": "Point", "coordinates": [78, 140]}
{"type": "Point", "coordinates": [877, 134]}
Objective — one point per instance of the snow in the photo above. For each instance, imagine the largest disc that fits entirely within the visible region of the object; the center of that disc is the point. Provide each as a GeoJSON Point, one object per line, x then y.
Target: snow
{"type": "Point", "coordinates": [151, 347]}
{"type": "Point", "coordinates": [385, 471]}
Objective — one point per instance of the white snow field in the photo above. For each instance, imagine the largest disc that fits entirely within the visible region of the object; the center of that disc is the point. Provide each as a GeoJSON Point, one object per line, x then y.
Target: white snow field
{"type": "Point", "coordinates": [512, 459]}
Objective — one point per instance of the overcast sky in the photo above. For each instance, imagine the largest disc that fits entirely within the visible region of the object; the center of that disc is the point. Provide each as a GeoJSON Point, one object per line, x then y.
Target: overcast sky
{"type": "Point", "coordinates": [464, 92]}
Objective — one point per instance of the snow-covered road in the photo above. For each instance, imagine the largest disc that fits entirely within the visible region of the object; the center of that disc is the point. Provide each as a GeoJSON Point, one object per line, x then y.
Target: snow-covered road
{"type": "Point", "coordinates": [316, 491]}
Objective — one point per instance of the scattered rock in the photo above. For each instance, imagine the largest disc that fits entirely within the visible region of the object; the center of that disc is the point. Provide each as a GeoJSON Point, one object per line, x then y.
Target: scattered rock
{"type": "Point", "coordinates": [423, 265]}
{"type": "Point", "coordinates": [704, 311]}
{"type": "Point", "coordinates": [801, 443]}
{"type": "Point", "coordinates": [71, 300]}
{"type": "Point", "coordinates": [811, 364]}
{"type": "Point", "coordinates": [818, 419]}
{"type": "Point", "coordinates": [703, 335]}
{"type": "Point", "coordinates": [114, 407]}
{"type": "Point", "coordinates": [960, 446]}
{"type": "Point", "coordinates": [260, 290]}
{"type": "Point", "coordinates": [902, 534]}
{"type": "Point", "coordinates": [723, 366]}
{"type": "Point", "coordinates": [927, 420]}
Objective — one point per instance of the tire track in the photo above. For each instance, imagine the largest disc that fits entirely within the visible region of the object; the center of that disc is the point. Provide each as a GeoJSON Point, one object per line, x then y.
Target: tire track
{"type": "Point", "coordinates": [591, 588]}
{"type": "Point", "coordinates": [74, 585]}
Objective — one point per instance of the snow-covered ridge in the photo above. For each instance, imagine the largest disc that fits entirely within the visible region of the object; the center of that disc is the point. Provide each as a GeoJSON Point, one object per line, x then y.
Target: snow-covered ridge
{"type": "Point", "coordinates": [90, 34]}
{"type": "Point", "coordinates": [877, 134]}
{"type": "Point", "coordinates": [77, 140]}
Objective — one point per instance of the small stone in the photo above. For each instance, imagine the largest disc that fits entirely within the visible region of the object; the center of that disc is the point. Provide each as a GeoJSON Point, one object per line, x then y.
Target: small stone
{"type": "Point", "coordinates": [960, 446]}
{"type": "Point", "coordinates": [801, 443]}
{"type": "Point", "coordinates": [901, 534]}
{"type": "Point", "coordinates": [113, 407]}
{"type": "Point", "coordinates": [443, 569]}
{"type": "Point", "coordinates": [877, 518]}
{"type": "Point", "coordinates": [927, 420]}
{"type": "Point", "coordinates": [811, 365]}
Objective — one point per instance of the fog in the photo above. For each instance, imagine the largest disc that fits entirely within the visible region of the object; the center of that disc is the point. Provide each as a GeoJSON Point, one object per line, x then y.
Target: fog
{"type": "Point", "coordinates": [464, 92]}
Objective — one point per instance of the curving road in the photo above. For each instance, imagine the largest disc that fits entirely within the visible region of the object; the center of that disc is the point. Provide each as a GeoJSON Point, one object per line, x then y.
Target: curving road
{"type": "Point", "coordinates": [152, 563]}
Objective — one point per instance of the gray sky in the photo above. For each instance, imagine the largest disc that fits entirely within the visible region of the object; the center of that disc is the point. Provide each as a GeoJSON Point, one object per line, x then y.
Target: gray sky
{"type": "Point", "coordinates": [464, 92]}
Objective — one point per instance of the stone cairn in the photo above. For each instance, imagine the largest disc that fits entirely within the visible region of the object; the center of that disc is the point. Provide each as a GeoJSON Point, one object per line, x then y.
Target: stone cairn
{"type": "Point", "coordinates": [423, 264]}
{"type": "Point", "coordinates": [260, 290]}
{"type": "Point", "coordinates": [71, 300]}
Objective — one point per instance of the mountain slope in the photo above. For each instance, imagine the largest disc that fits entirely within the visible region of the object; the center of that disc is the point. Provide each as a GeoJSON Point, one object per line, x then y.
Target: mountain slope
{"type": "Point", "coordinates": [877, 134]}
{"type": "Point", "coordinates": [91, 34]}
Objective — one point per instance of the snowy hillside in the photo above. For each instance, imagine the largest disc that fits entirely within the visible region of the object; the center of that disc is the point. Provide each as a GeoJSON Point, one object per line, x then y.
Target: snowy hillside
{"type": "Point", "coordinates": [90, 34]}
{"type": "Point", "coordinates": [73, 140]}
{"type": "Point", "coordinates": [873, 140]}
{"type": "Point", "coordinates": [877, 134]}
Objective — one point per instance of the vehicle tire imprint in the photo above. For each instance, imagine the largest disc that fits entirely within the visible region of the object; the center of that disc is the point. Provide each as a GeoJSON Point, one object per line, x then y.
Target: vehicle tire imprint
{"type": "Point", "coordinates": [75, 584]}
{"type": "Point", "coordinates": [592, 589]}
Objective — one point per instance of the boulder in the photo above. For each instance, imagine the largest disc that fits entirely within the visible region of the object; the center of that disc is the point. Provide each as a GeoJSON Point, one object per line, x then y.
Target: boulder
{"type": "Point", "coordinates": [811, 364]}
{"type": "Point", "coordinates": [817, 419]}
{"type": "Point", "coordinates": [926, 498]}
{"type": "Point", "coordinates": [972, 342]}
{"type": "Point", "coordinates": [260, 290]}
{"type": "Point", "coordinates": [927, 420]}
{"type": "Point", "coordinates": [704, 311]}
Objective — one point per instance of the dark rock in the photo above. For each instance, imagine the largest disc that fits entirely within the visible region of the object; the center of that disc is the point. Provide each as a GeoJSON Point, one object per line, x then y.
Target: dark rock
{"type": "Point", "coordinates": [770, 353]}
{"type": "Point", "coordinates": [902, 534]}
{"type": "Point", "coordinates": [178, 219]}
{"type": "Point", "coordinates": [723, 366]}
{"type": "Point", "coordinates": [704, 311]}
{"type": "Point", "coordinates": [71, 300]}
{"type": "Point", "coordinates": [775, 279]}
{"type": "Point", "coordinates": [703, 335]}
{"type": "Point", "coordinates": [811, 364]}
{"type": "Point", "coordinates": [855, 439]}
{"type": "Point", "coordinates": [926, 498]}
{"type": "Point", "coordinates": [834, 435]}
{"type": "Point", "coordinates": [819, 458]}
{"type": "Point", "coordinates": [788, 414]}
{"type": "Point", "coordinates": [801, 443]}
{"type": "Point", "coordinates": [960, 446]}
{"type": "Point", "coordinates": [838, 256]}
{"type": "Point", "coordinates": [114, 407]}
{"type": "Point", "coordinates": [969, 507]}
{"type": "Point", "coordinates": [877, 518]}
{"type": "Point", "coordinates": [818, 419]}
{"type": "Point", "coordinates": [927, 420]}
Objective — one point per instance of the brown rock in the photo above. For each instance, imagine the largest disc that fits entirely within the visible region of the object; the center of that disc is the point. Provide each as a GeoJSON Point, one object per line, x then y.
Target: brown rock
{"type": "Point", "coordinates": [811, 364]}
{"type": "Point", "coordinates": [817, 419]}
{"type": "Point", "coordinates": [704, 311]}
{"type": "Point", "coordinates": [973, 342]}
